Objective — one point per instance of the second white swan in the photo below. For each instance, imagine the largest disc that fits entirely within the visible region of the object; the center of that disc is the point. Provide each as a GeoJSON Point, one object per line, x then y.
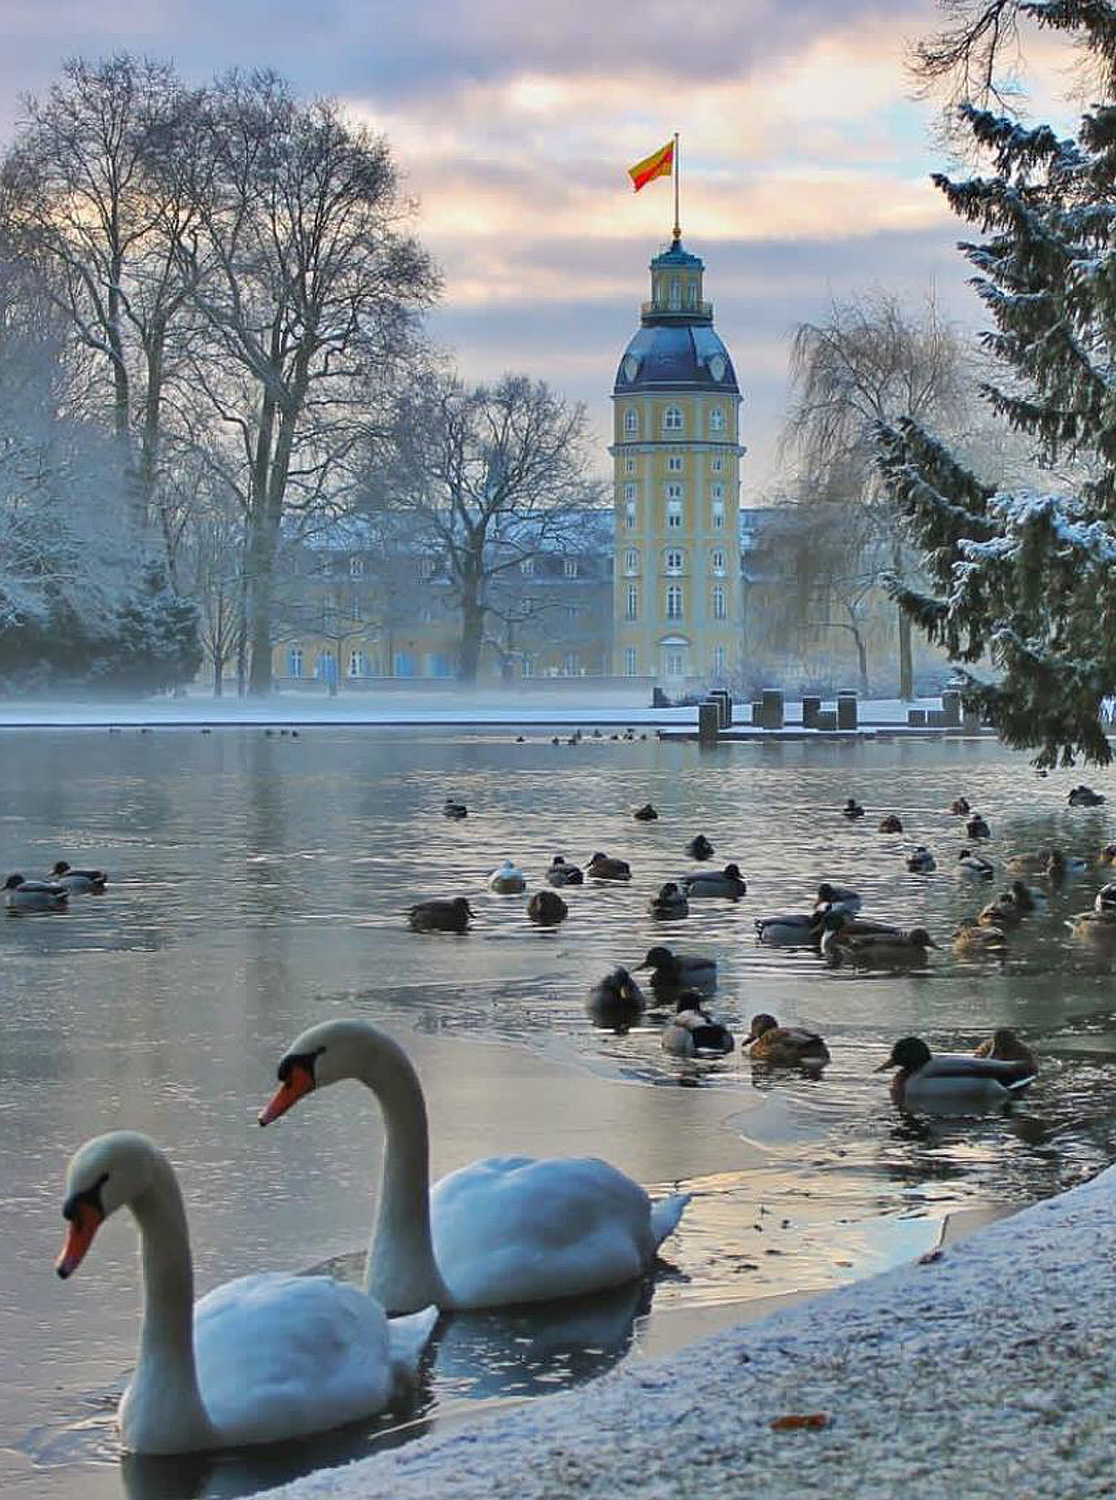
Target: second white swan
{"type": "Point", "coordinates": [503, 1230]}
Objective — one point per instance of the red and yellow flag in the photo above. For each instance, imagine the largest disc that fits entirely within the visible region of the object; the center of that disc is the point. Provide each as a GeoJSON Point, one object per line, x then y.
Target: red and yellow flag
{"type": "Point", "coordinates": [659, 164]}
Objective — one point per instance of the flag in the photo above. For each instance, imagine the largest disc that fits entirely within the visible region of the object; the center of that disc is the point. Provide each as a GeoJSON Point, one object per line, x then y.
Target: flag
{"type": "Point", "coordinates": [659, 164]}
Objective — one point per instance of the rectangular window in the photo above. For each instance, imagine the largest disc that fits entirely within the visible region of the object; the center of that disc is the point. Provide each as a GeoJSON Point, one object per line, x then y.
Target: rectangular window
{"type": "Point", "coordinates": [571, 664]}
{"type": "Point", "coordinates": [674, 492]}
{"type": "Point", "coordinates": [356, 567]}
{"type": "Point", "coordinates": [632, 611]}
{"type": "Point", "coordinates": [629, 465]}
{"type": "Point", "coordinates": [631, 661]}
{"type": "Point", "coordinates": [631, 561]}
{"type": "Point", "coordinates": [569, 567]}
{"type": "Point", "coordinates": [294, 662]}
{"type": "Point", "coordinates": [528, 664]}
{"type": "Point", "coordinates": [719, 660]}
{"type": "Point", "coordinates": [674, 602]}
{"type": "Point", "coordinates": [717, 465]}
{"type": "Point", "coordinates": [629, 514]}
{"type": "Point", "coordinates": [571, 611]}
{"type": "Point", "coordinates": [527, 567]}
{"type": "Point", "coordinates": [358, 666]}
{"type": "Point", "coordinates": [718, 603]}
{"type": "Point", "coordinates": [674, 514]}
{"type": "Point", "coordinates": [718, 515]}
{"type": "Point", "coordinates": [674, 464]}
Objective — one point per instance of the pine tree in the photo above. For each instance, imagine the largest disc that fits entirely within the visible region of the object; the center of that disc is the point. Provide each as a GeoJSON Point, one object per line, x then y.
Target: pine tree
{"type": "Point", "coordinates": [1027, 578]}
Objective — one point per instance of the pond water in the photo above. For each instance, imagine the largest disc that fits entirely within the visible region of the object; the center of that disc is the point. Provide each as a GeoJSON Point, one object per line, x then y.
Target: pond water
{"type": "Point", "coordinates": [259, 884]}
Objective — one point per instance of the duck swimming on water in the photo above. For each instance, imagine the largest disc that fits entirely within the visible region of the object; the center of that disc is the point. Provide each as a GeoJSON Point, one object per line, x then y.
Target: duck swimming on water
{"type": "Point", "coordinates": [668, 904]}
{"type": "Point", "coordinates": [82, 881]}
{"type": "Point", "coordinates": [784, 1046]}
{"type": "Point", "coordinates": [34, 895]}
{"type": "Point", "coordinates": [603, 867]}
{"type": "Point", "coordinates": [616, 1002]}
{"type": "Point", "coordinates": [951, 1083]}
{"type": "Point", "coordinates": [729, 884]}
{"type": "Point", "coordinates": [672, 972]}
{"type": "Point", "coordinates": [700, 848]}
{"type": "Point", "coordinates": [440, 915]}
{"type": "Point", "coordinates": [692, 1031]}
{"type": "Point", "coordinates": [561, 873]}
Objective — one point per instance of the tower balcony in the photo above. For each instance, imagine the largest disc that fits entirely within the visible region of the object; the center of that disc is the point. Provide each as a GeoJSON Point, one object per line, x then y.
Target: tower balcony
{"type": "Point", "coordinates": [697, 312]}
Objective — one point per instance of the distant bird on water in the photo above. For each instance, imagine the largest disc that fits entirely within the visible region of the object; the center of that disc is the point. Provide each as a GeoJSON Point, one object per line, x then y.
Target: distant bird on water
{"type": "Point", "coordinates": [454, 809]}
{"type": "Point", "coordinates": [82, 881]}
{"type": "Point", "coordinates": [645, 814]}
{"type": "Point", "coordinates": [892, 823]}
{"type": "Point", "coordinates": [668, 903]}
{"type": "Point", "coordinates": [699, 847]}
{"type": "Point", "coordinates": [603, 867]}
{"type": "Point", "coordinates": [440, 915]}
{"type": "Point", "coordinates": [547, 909]}
{"type": "Point", "coordinates": [34, 895]}
{"type": "Point", "coordinates": [507, 880]}
{"type": "Point", "coordinates": [852, 809]}
{"type": "Point", "coordinates": [729, 884]}
{"type": "Point", "coordinates": [562, 873]}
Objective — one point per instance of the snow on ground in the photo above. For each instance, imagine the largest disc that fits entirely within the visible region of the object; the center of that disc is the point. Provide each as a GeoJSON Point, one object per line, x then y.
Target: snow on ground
{"type": "Point", "coordinates": [614, 707]}
{"type": "Point", "coordinates": [985, 1372]}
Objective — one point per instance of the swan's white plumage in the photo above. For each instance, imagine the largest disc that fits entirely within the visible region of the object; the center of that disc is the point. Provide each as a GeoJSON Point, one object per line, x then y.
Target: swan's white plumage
{"type": "Point", "coordinates": [512, 1229]}
{"type": "Point", "coordinates": [282, 1356]}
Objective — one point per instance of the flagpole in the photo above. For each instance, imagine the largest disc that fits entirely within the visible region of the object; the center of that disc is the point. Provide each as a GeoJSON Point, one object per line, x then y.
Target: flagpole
{"type": "Point", "coordinates": [677, 168]}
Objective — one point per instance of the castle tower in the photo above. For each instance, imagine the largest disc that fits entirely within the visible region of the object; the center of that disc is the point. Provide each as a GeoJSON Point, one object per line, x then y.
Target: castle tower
{"type": "Point", "coordinates": [677, 602]}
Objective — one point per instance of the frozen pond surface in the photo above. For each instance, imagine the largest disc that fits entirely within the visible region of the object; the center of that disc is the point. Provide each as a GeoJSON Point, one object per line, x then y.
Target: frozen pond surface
{"type": "Point", "coordinates": [259, 883]}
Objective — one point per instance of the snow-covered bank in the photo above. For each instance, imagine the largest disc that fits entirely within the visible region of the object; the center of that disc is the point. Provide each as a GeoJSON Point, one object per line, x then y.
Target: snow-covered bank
{"type": "Point", "coordinates": [986, 1371]}
{"type": "Point", "coordinates": [617, 708]}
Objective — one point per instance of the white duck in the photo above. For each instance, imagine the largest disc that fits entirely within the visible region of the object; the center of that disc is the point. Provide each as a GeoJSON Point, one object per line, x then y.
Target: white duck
{"type": "Point", "coordinates": [265, 1357]}
{"type": "Point", "coordinates": [502, 1230]}
{"type": "Point", "coordinates": [507, 880]}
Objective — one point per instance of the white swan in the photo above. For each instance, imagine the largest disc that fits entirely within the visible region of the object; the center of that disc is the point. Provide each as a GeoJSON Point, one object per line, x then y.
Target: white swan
{"type": "Point", "coordinates": [262, 1358]}
{"type": "Point", "coordinates": [503, 1230]}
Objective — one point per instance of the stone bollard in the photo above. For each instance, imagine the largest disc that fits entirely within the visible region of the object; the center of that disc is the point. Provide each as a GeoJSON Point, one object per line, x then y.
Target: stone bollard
{"type": "Point", "coordinates": [723, 699]}
{"type": "Point", "coordinates": [951, 708]}
{"type": "Point", "coordinates": [936, 719]}
{"type": "Point", "coordinates": [772, 709]}
{"type": "Point", "coordinates": [757, 713]}
{"type": "Point", "coordinates": [970, 720]}
{"type": "Point", "coordinates": [709, 722]}
{"type": "Point", "coordinates": [826, 719]}
{"type": "Point", "coordinates": [846, 711]}
{"type": "Point", "coordinates": [811, 707]}
{"type": "Point", "coordinates": [916, 718]}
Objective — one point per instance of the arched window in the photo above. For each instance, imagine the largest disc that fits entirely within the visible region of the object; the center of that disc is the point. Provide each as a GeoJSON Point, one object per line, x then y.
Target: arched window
{"type": "Point", "coordinates": [719, 660]}
{"type": "Point", "coordinates": [674, 602]}
{"type": "Point", "coordinates": [632, 611]}
{"type": "Point", "coordinates": [675, 292]}
{"type": "Point", "coordinates": [358, 664]}
{"type": "Point", "coordinates": [717, 420]}
{"type": "Point", "coordinates": [631, 661]}
{"type": "Point", "coordinates": [675, 561]}
{"type": "Point", "coordinates": [294, 661]}
{"type": "Point", "coordinates": [719, 611]}
{"type": "Point", "coordinates": [631, 421]}
{"type": "Point", "coordinates": [631, 561]}
{"type": "Point", "coordinates": [672, 419]}
{"type": "Point", "coordinates": [717, 561]}
{"type": "Point", "coordinates": [629, 514]}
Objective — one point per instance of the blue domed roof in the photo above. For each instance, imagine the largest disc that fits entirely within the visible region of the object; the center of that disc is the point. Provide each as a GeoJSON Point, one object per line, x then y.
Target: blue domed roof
{"type": "Point", "coordinates": [672, 355]}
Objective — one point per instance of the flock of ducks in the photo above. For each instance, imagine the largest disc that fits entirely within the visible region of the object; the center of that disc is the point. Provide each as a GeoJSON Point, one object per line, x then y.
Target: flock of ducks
{"type": "Point", "coordinates": [1000, 1068]}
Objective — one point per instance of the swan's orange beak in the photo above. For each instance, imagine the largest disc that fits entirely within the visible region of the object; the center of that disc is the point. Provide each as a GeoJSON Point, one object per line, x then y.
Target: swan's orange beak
{"type": "Point", "coordinates": [299, 1081]}
{"type": "Point", "coordinates": [84, 1224]}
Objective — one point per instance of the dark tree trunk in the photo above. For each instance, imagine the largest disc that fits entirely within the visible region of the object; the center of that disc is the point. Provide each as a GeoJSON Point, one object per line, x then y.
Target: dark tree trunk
{"type": "Point", "coordinates": [906, 658]}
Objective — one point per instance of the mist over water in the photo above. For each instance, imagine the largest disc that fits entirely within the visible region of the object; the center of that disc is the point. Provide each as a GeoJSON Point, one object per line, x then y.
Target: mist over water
{"type": "Point", "coordinates": [259, 883]}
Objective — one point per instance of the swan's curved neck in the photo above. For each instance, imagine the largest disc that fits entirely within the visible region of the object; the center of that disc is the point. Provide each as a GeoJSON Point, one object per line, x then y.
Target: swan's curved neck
{"type": "Point", "coordinates": [164, 1411]}
{"type": "Point", "coordinates": [400, 1271]}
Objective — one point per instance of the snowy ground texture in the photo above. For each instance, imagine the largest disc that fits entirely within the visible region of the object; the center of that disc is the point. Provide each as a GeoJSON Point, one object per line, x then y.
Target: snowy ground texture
{"type": "Point", "coordinates": [987, 1372]}
{"type": "Point", "coordinates": [615, 708]}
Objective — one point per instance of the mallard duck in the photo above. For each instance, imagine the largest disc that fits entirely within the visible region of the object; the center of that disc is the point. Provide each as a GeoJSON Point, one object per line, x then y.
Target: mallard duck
{"type": "Point", "coordinates": [921, 862]}
{"type": "Point", "coordinates": [728, 884]}
{"type": "Point", "coordinates": [892, 823]}
{"type": "Point", "coordinates": [1005, 1046]}
{"type": "Point", "coordinates": [1105, 899]}
{"type": "Point", "coordinates": [83, 881]}
{"type": "Point", "coordinates": [837, 895]}
{"type": "Point", "coordinates": [838, 926]}
{"type": "Point", "coordinates": [977, 828]}
{"type": "Point", "coordinates": [791, 930]}
{"type": "Point", "coordinates": [508, 880]}
{"type": "Point", "coordinates": [950, 1082]}
{"type": "Point", "coordinates": [1028, 864]}
{"type": "Point", "coordinates": [1108, 855]}
{"type": "Point", "coordinates": [1084, 796]}
{"type": "Point", "coordinates": [1028, 898]}
{"type": "Point", "coordinates": [672, 972]}
{"type": "Point", "coordinates": [784, 1046]}
{"type": "Point", "coordinates": [960, 808]}
{"type": "Point", "coordinates": [669, 903]}
{"type": "Point", "coordinates": [602, 867]}
{"type": "Point", "coordinates": [972, 866]}
{"type": "Point", "coordinates": [561, 873]}
{"type": "Point", "coordinates": [692, 1031]}
{"type": "Point", "coordinates": [886, 950]}
{"type": "Point", "coordinates": [454, 809]}
{"type": "Point", "coordinates": [976, 939]}
{"type": "Point", "coordinates": [440, 915]}
{"type": "Point", "coordinates": [1061, 867]}
{"type": "Point", "coordinates": [547, 909]}
{"type": "Point", "coordinates": [852, 809]}
{"type": "Point", "coordinates": [34, 895]}
{"type": "Point", "coordinates": [1096, 926]}
{"type": "Point", "coordinates": [645, 814]}
{"type": "Point", "coordinates": [616, 1002]}
{"type": "Point", "coordinates": [700, 848]}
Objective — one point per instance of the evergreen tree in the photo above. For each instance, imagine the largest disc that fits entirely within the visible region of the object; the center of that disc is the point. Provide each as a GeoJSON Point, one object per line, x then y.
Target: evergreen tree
{"type": "Point", "coordinates": [1027, 577]}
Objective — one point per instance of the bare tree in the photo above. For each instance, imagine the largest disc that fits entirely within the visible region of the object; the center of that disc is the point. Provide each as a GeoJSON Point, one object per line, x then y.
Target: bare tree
{"type": "Point", "coordinates": [89, 200]}
{"type": "Point", "coordinates": [490, 476]}
{"type": "Point", "coordinates": [309, 287]}
{"type": "Point", "coordinates": [870, 360]}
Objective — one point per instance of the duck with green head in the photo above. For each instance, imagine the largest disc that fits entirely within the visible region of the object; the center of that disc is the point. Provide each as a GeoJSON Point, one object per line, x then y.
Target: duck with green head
{"type": "Point", "coordinates": [951, 1083]}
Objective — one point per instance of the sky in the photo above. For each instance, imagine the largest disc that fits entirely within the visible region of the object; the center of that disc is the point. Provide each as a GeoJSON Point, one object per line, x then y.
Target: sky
{"type": "Point", "coordinates": [805, 160]}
